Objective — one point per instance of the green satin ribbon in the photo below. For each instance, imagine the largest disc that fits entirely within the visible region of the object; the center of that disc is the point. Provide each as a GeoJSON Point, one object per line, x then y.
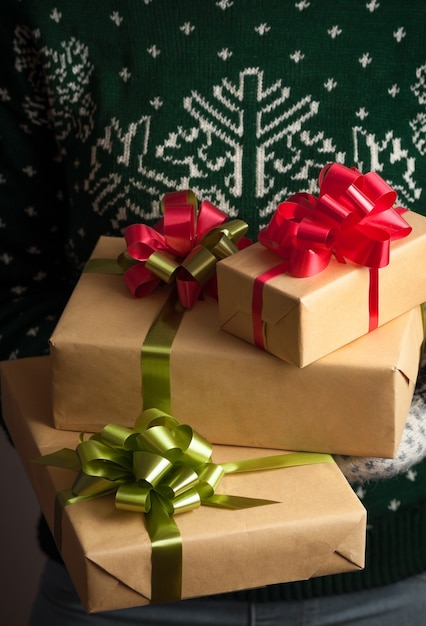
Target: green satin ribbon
{"type": "Point", "coordinates": [156, 353]}
{"type": "Point", "coordinates": [157, 344]}
{"type": "Point", "coordinates": [160, 468]}
{"type": "Point", "coordinates": [103, 266]}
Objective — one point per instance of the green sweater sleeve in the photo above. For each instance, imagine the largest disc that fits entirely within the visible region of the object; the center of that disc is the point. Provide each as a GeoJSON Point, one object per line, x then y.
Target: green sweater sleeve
{"type": "Point", "coordinates": [33, 207]}
{"type": "Point", "coordinates": [106, 106]}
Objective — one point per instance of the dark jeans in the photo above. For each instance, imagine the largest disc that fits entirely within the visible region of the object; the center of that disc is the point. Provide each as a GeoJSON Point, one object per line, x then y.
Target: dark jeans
{"type": "Point", "coordinates": [400, 604]}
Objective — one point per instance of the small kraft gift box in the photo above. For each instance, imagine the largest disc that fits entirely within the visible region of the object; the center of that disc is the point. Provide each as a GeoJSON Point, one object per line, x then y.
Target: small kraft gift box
{"type": "Point", "coordinates": [326, 270]}
{"type": "Point", "coordinates": [294, 521]}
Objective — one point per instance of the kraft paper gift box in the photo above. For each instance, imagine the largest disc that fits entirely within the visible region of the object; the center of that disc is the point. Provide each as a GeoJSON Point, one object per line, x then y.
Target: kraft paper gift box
{"type": "Point", "coordinates": [354, 401]}
{"type": "Point", "coordinates": [317, 525]}
{"type": "Point", "coordinates": [304, 319]}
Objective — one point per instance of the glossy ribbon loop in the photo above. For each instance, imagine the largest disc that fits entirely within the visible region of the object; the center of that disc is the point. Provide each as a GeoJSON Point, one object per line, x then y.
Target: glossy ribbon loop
{"type": "Point", "coordinates": [353, 218]}
{"type": "Point", "coordinates": [182, 248]}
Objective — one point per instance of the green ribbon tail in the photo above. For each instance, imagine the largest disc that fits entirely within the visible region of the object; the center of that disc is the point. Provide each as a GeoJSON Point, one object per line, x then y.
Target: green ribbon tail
{"type": "Point", "coordinates": [166, 562]}
{"type": "Point", "coordinates": [103, 266]}
{"type": "Point", "coordinates": [276, 461]}
{"type": "Point", "coordinates": [155, 357]}
{"type": "Point", "coordinates": [65, 458]}
{"type": "Point", "coordinates": [93, 488]}
{"type": "Point", "coordinates": [235, 503]}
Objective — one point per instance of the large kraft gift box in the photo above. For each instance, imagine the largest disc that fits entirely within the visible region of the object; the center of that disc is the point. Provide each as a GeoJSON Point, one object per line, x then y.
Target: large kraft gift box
{"type": "Point", "coordinates": [354, 401]}
{"type": "Point", "coordinates": [304, 319]}
{"type": "Point", "coordinates": [317, 525]}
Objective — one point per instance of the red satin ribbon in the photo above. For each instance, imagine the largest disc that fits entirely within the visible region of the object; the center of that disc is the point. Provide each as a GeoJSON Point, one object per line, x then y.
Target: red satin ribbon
{"type": "Point", "coordinates": [175, 237]}
{"type": "Point", "coordinates": [353, 218]}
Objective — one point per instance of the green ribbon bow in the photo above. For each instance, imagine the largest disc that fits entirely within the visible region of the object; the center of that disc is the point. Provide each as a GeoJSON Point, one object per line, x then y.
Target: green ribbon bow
{"type": "Point", "coordinates": [160, 468]}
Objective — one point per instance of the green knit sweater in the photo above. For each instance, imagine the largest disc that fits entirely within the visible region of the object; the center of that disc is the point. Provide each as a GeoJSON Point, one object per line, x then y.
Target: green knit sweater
{"type": "Point", "coordinates": [108, 105]}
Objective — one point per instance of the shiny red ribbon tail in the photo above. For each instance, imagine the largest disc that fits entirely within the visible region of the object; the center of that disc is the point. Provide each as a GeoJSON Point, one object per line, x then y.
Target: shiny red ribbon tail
{"type": "Point", "coordinates": [373, 299]}
{"type": "Point", "coordinates": [282, 268]}
{"type": "Point", "coordinates": [257, 301]}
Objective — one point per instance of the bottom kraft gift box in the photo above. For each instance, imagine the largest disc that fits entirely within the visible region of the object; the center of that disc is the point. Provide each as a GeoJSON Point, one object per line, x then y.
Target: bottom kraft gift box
{"type": "Point", "coordinates": [315, 526]}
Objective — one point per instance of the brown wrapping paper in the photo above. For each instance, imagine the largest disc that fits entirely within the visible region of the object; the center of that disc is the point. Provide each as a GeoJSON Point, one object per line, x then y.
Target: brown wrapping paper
{"type": "Point", "coordinates": [354, 401]}
{"type": "Point", "coordinates": [305, 319]}
{"type": "Point", "coordinates": [318, 526]}
{"type": "Point", "coordinates": [226, 388]}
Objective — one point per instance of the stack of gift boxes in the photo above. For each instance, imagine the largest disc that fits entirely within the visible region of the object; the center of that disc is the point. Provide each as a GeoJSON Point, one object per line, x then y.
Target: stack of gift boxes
{"type": "Point", "coordinates": [302, 345]}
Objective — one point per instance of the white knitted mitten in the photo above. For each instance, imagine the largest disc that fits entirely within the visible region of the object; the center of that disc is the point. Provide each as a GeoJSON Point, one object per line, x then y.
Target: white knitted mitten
{"type": "Point", "coordinates": [412, 448]}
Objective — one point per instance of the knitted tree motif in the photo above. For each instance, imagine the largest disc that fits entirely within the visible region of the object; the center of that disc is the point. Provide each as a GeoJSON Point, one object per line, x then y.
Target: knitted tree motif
{"type": "Point", "coordinates": [250, 137]}
{"type": "Point", "coordinates": [246, 142]}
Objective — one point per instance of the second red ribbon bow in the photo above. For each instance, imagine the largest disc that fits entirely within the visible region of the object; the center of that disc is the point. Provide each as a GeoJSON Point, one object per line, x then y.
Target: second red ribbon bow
{"type": "Point", "coordinates": [353, 217]}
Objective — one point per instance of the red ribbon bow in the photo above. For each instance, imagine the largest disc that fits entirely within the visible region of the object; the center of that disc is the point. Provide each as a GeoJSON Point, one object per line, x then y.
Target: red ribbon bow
{"type": "Point", "coordinates": [353, 218]}
{"type": "Point", "coordinates": [183, 247]}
